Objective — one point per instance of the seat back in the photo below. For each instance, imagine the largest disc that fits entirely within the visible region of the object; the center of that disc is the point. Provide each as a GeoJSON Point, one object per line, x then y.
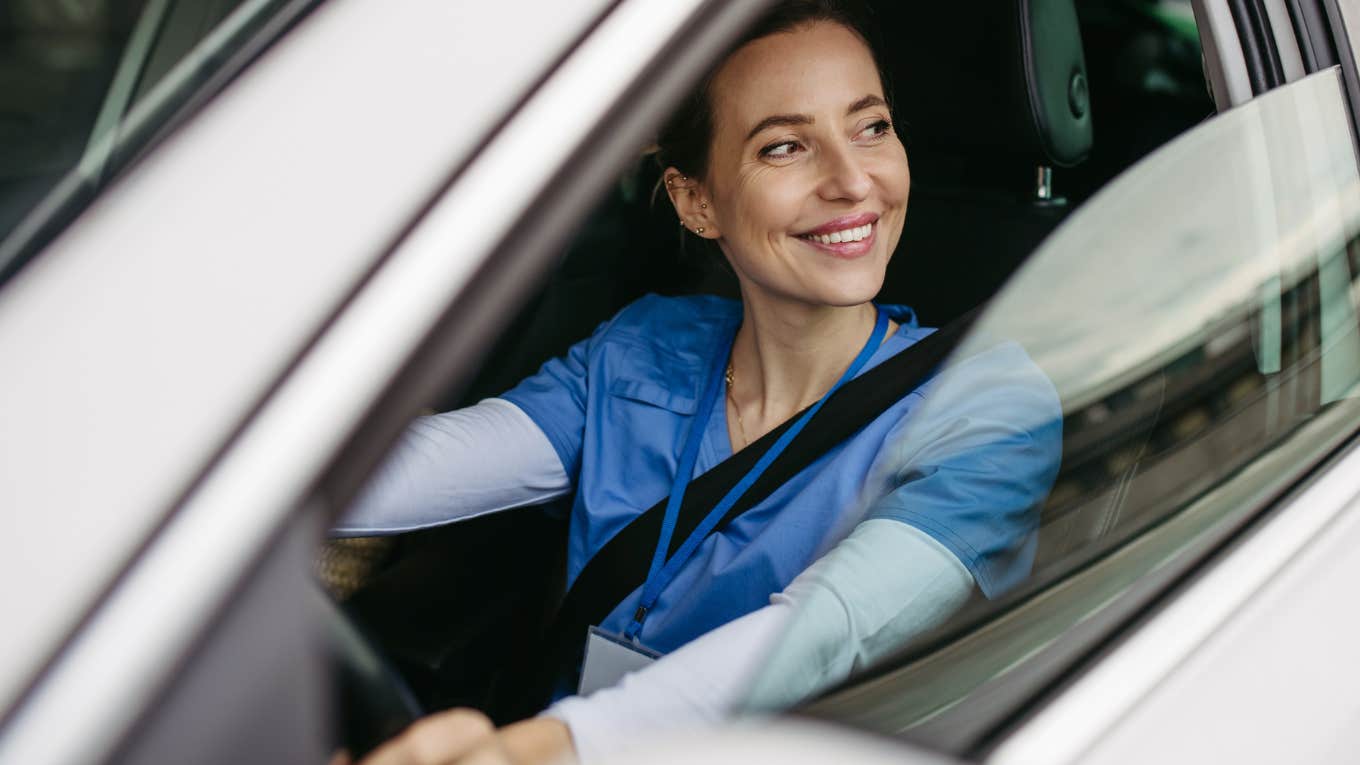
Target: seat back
{"type": "Point", "coordinates": [990, 99]}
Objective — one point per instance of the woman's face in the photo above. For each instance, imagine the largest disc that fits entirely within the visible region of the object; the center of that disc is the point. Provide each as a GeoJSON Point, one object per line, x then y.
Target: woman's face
{"type": "Point", "coordinates": [807, 181]}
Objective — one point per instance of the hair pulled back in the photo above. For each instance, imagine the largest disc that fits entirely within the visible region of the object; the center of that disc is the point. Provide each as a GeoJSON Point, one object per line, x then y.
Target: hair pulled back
{"type": "Point", "coordinates": [684, 140]}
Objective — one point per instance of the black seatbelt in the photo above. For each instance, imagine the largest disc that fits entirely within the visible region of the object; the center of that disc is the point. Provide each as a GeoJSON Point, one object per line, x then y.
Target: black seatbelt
{"type": "Point", "coordinates": [621, 565]}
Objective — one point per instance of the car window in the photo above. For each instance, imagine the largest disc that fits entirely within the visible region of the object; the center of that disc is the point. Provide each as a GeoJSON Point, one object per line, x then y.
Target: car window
{"type": "Point", "coordinates": [86, 86]}
{"type": "Point", "coordinates": [1145, 72]}
{"type": "Point", "coordinates": [1196, 323]}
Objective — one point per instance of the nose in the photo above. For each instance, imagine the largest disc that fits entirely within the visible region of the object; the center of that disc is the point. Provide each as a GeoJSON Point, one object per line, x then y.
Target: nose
{"type": "Point", "coordinates": [844, 176]}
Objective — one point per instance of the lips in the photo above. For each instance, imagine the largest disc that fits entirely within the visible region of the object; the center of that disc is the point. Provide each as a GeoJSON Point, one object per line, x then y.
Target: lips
{"type": "Point", "coordinates": [848, 236]}
{"type": "Point", "coordinates": [843, 223]}
{"type": "Point", "coordinates": [845, 235]}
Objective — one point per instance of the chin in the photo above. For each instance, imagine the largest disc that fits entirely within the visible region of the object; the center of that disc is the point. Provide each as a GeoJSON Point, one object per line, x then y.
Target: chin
{"type": "Point", "coordinates": [847, 290]}
{"type": "Point", "coordinates": [846, 296]}
{"type": "Point", "coordinates": [829, 287]}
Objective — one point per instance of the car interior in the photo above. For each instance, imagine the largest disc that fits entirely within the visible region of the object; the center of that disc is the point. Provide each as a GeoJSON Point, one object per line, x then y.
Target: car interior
{"type": "Point", "coordinates": [1009, 127]}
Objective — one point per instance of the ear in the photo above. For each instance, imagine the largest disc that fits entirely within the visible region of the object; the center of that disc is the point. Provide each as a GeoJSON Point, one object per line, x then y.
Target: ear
{"type": "Point", "coordinates": [691, 203]}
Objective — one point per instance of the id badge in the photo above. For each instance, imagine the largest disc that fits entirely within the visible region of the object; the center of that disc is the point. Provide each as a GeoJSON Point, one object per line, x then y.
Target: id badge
{"type": "Point", "coordinates": [608, 658]}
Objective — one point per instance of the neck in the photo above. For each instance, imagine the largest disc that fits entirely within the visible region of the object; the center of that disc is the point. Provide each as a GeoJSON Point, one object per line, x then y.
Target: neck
{"type": "Point", "coordinates": [786, 356]}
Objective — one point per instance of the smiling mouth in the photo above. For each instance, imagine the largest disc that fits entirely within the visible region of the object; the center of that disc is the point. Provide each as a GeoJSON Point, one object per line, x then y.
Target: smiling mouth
{"type": "Point", "coordinates": [852, 234]}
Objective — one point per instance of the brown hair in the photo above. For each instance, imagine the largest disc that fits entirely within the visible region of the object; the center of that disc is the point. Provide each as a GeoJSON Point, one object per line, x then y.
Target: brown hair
{"type": "Point", "coordinates": [684, 140]}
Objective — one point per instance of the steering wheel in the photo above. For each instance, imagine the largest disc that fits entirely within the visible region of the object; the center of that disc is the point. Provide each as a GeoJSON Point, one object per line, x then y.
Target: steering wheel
{"type": "Point", "coordinates": [375, 703]}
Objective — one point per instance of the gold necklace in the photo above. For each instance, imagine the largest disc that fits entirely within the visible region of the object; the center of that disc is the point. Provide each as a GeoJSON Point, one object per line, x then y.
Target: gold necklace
{"type": "Point", "coordinates": [741, 426]}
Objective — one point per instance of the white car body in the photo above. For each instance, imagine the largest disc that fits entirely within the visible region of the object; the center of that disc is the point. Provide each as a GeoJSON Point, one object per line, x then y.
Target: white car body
{"type": "Point", "coordinates": [232, 333]}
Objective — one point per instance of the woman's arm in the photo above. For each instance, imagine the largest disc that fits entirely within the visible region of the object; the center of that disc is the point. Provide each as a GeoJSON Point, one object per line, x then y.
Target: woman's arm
{"type": "Point", "coordinates": [881, 586]}
{"type": "Point", "coordinates": [481, 459]}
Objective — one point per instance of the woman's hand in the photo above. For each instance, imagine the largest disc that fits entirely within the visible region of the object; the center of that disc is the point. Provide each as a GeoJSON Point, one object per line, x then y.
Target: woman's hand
{"type": "Point", "coordinates": [467, 737]}
{"type": "Point", "coordinates": [538, 741]}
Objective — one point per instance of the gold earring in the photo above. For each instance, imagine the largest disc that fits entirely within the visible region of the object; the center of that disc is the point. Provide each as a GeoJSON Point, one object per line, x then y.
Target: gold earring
{"type": "Point", "coordinates": [699, 230]}
{"type": "Point", "coordinates": [703, 205]}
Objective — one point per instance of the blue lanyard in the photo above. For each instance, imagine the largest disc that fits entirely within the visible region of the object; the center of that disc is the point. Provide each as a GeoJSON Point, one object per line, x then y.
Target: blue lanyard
{"type": "Point", "coordinates": [663, 571]}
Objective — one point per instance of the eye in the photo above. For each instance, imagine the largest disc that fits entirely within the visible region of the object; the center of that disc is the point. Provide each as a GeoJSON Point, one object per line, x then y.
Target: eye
{"type": "Point", "coordinates": [781, 150]}
{"type": "Point", "coordinates": [876, 130]}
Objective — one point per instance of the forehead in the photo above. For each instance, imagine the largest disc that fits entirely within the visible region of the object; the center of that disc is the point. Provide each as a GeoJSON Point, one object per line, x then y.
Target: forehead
{"type": "Point", "coordinates": [807, 70]}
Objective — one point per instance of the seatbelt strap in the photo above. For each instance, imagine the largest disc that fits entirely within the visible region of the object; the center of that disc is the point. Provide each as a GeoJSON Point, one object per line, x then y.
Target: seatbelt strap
{"type": "Point", "coordinates": [621, 565]}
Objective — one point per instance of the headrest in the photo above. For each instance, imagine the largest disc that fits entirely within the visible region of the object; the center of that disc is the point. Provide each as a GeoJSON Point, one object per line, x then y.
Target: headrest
{"type": "Point", "coordinates": [989, 80]}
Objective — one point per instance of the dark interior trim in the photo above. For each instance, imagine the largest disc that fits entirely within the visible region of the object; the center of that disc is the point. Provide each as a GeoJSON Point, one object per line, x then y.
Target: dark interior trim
{"type": "Point", "coordinates": [1310, 30]}
{"type": "Point", "coordinates": [1259, 51]}
{"type": "Point", "coordinates": [1269, 45]}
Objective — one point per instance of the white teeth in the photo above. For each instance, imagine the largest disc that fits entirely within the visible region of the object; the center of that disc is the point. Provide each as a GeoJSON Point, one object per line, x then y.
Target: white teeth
{"type": "Point", "coordinates": [848, 235]}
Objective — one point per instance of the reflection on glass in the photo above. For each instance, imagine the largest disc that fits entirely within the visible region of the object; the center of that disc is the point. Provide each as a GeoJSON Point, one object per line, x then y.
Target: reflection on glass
{"type": "Point", "coordinates": [83, 86]}
{"type": "Point", "coordinates": [1197, 320]}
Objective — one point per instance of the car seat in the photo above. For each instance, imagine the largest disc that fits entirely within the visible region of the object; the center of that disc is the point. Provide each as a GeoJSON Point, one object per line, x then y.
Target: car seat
{"type": "Point", "coordinates": [992, 102]}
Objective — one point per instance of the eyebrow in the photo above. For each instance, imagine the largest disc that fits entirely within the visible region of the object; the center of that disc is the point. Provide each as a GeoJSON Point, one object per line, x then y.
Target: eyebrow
{"type": "Point", "coordinates": [865, 103]}
{"type": "Point", "coordinates": [781, 120]}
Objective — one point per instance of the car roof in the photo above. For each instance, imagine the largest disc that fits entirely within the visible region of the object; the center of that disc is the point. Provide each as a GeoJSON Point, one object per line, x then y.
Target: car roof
{"type": "Point", "coordinates": [142, 339]}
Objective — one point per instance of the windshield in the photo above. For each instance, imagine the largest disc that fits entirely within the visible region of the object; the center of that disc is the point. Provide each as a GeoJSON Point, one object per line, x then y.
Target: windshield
{"type": "Point", "coordinates": [1196, 326]}
{"type": "Point", "coordinates": [87, 86]}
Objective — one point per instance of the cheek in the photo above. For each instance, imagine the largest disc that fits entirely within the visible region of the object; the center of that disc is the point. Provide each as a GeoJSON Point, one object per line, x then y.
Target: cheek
{"type": "Point", "coordinates": [764, 200]}
{"type": "Point", "coordinates": [895, 184]}
{"type": "Point", "coordinates": [895, 178]}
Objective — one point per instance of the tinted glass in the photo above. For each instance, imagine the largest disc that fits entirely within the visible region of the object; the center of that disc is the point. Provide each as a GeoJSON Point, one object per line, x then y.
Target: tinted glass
{"type": "Point", "coordinates": [1197, 322]}
{"type": "Point", "coordinates": [85, 85]}
{"type": "Point", "coordinates": [57, 61]}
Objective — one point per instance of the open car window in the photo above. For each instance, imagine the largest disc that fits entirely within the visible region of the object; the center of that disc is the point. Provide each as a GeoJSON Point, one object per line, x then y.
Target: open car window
{"type": "Point", "coordinates": [1196, 322]}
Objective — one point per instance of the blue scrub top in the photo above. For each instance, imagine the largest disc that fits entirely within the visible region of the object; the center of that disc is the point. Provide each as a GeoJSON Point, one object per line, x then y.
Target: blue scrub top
{"type": "Point", "coordinates": [618, 407]}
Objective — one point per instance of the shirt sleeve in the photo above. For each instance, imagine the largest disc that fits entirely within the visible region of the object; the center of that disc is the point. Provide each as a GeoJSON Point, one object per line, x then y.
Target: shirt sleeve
{"type": "Point", "coordinates": [871, 594]}
{"type": "Point", "coordinates": [555, 398]}
{"type": "Point", "coordinates": [455, 466]}
{"type": "Point", "coordinates": [974, 461]}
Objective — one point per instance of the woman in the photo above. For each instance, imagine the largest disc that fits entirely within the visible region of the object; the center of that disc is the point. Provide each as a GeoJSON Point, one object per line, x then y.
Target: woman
{"type": "Point", "coordinates": [787, 160]}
